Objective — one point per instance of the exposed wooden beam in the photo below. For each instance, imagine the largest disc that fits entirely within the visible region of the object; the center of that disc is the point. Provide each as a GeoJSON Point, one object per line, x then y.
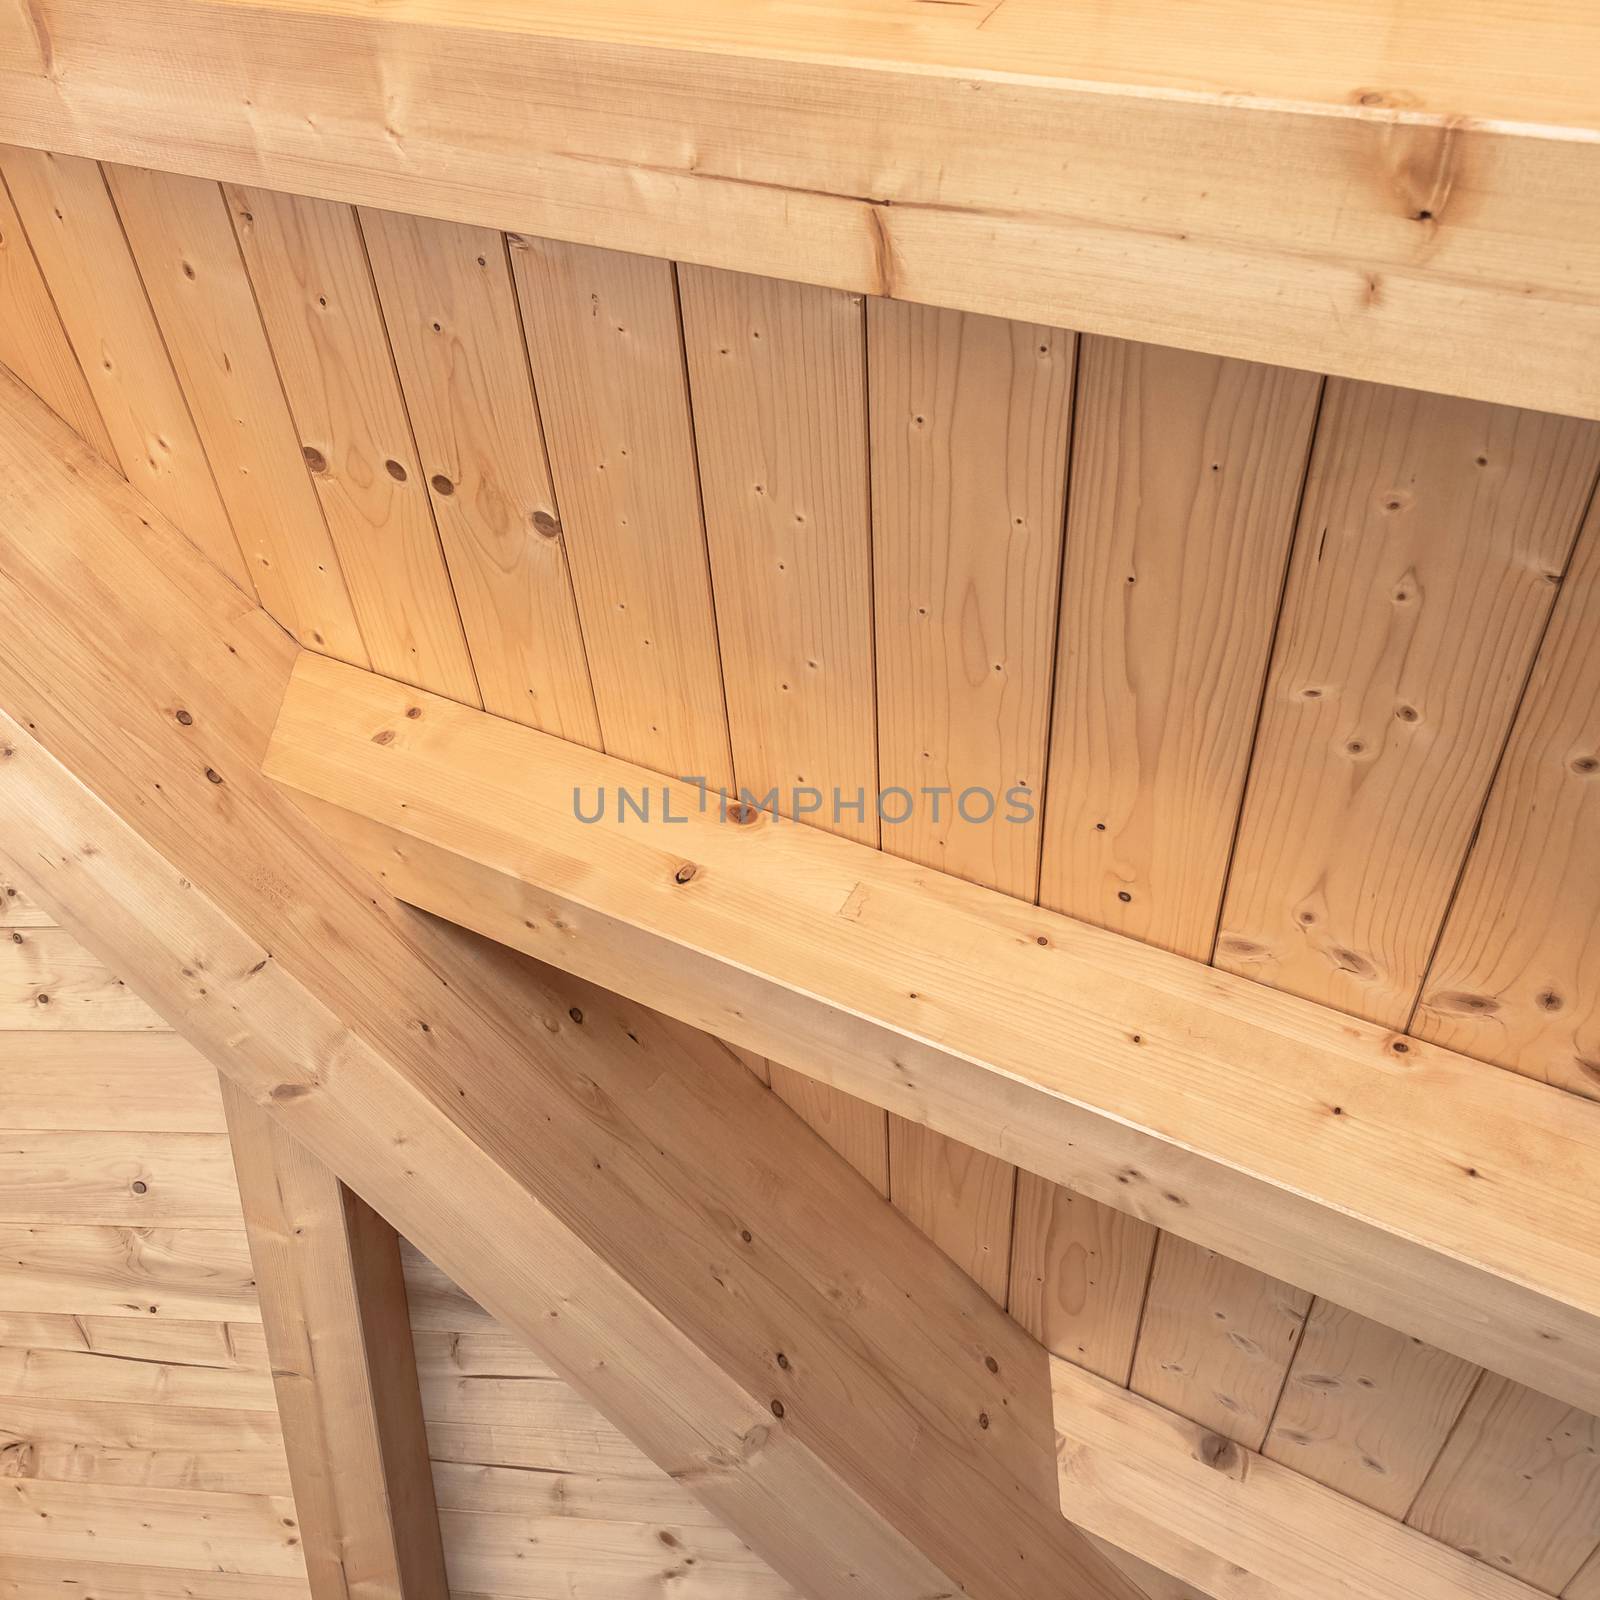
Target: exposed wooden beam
{"type": "Point", "coordinates": [1431, 1192]}
{"type": "Point", "coordinates": [333, 1307]}
{"type": "Point", "coordinates": [1234, 1524]}
{"type": "Point", "coordinates": [622, 1191]}
{"type": "Point", "coordinates": [1356, 187]}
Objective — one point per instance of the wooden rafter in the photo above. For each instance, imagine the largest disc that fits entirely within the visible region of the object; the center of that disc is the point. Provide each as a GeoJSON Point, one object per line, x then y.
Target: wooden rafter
{"type": "Point", "coordinates": [333, 1305]}
{"type": "Point", "coordinates": [623, 1192]}
{"type": "Point", "coordinates": [1431, 1192]}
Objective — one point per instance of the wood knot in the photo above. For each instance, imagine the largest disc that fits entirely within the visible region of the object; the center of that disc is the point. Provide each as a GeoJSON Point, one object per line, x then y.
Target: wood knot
{"type": "Point", "coordinates": [383, 736]}
{"type": "Point", "coordinates": [315, 459]}
{"type": "Point", "coordinates": [545, 524]}
{"type": "Point", "coordinates": [1218, 1452]}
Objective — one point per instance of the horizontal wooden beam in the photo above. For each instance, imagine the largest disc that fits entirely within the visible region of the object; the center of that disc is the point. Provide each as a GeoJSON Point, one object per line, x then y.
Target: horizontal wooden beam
{"type": "Point", "coordinates": [1431, 1192]}
{"type": "Point", "coordinates": [1233, 1523]}
{"type": "Point", "coordinates": [1355, 187]}
{"type": "Point", "coordinates": [620, 1190]}
{"type": "Point", "coordinates": [338, 1331]}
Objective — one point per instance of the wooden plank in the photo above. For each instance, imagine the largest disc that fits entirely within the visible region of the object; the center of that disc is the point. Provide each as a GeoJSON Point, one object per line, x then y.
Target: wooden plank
{"type": "Point", "coordinates": [49, 981]}
{"type": "Point", "coordinates": [164, 1180]}
{"type": "Point", "coordinates": [1079, 1271]}
{"type": "Point", "coordinates": [309, 270]}
{"type": "Point", "coordinates": [1432, 538]}
{"type": "Point", "coordinates": [451, 314]}
{"type": "Point", "coordinates": [476, 1352]}
{"type": "Point", "coordinates": [856, 1128]}
{"type": "Point", "coordinates": [959, 1196]}
{"type": "Point", "coordinates": [777, 373]}
{"type": "Point", "coordinates": [43, 1578]}
{"type": "Point", "coordinates": [1186, 476]}
{"type": "Point", "coordinates": [83, 253]}
{"type": "Point", "coordinates": [1216, 1340]}
{"type": "Point", "coordinates": [180, 1528]}
{"type": "Point", "coordinates": [508, 1491]}
{"type": "Point", "coordinates": [503, 1556]}
{"type": "Point", "coordinates": [1366, 1410]}
{"type": "Point", "coordinates": [131, 1082]}
{"type": "Point", "coordinates": [779, 384]}
{"type": "Point", "coordinates": [607, 356]}
{"type": "Point", "coordinates": [44, 1374]}
{"type": "Point", "coordinates": [33, 344]}
{"type": "Point", "coordinates": [1514, 979]}
{"type": "Point", "coordinates": [160, 1446]}
{"type": "Point", "coordinates": [1517, 1485]}
{"type": "Point", "coordinates": [333, 1307]}
{"type": "Point", "coordinates": [16, 909]}
{"type": "Point", "coordinates": [1233, 1523]}
{"type": "Point", "coordinates": [184, 246]}
{"type": "Point", "coordinates": [418, 1061]}
{"type": "Point", "coordinates": [969, 422]}
{"type": "Point", "coordinates": [536, 1424]}
{"type": "Point", "coordinates": [969, 444]}
{"type": "Point", "coordinates": [232, 1346]}
{"type": "Point", "coordinates": [1425, 163]}
{"type": "Point", "coordinates": [85, 1270]}
{"type": "Point", "coordinates": [1307, 1144]}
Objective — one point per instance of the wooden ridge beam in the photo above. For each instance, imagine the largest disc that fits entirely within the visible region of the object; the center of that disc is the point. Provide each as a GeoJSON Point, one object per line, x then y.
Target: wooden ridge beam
{"type": "Point", "coordinates": [621, 1191]}
{"type": "Point", "coordinates": [338, 1331]}
{"type": "Point", "coordinates": [1431, 1192]}
{"type": "Point", "coordinates": [1233, 1523]}
{"type": "Point", "coordinates": [1355, 187]}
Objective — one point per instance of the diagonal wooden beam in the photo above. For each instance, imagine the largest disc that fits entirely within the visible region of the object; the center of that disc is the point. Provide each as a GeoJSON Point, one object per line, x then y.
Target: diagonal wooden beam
{"type": "Point", "coordinates": [333, 1307]}
{"type": "Point", "coordinates": [1428, 1191]}
{"type": "Point", "coordinates": [622, 1191]}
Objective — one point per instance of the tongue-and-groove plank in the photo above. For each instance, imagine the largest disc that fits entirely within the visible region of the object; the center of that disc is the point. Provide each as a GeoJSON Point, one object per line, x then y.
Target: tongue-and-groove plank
{"type": "Point", "coordinates": [188, 258]}
{"type": "Point", "coordinates": [452, 320]}
{"type": "Point", "coordinates": [308, 270]}
{"type": "Point", "coordinates": [77, 236]}
{"type": "Point", "coordinates": [33, 343]}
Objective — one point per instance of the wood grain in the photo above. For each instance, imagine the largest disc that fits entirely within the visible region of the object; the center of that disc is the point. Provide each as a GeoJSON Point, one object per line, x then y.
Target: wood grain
{"type": "Point", "coordinates": [1516, 979]}
{"type": "Point", "coordinates": [48, 981]}
{"type": "Point", "coordinates": [188, 258]}
{"type": "Point", "coordinates": [1186, 476]}
{"type": "Point", "coordinates": [83, 253]}
{"type": "Point", "coordinates": [309, 270]}
{"type": "Point", "coordinates": [1432, 538]}
{"type": "Point", "coordinates": [1367, 1410]}
{"type": "Point", "coordinates": [1217, 1340]}
{"type": "Point", "coordinates": [1125, 165]}
{"type": "Point", "coordinates": [451, 314]}
{"type": "Point", "coordinates": [1079, 1271]}
{"type": "Point", "coordinates": [33, 343]}
{"type": "Point", "coordinates": [1517, 1485]}
{"type": "Point", "coordinates": [607, 355]}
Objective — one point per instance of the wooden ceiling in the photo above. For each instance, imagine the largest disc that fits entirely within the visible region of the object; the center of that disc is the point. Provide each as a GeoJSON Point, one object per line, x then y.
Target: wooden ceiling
{"type": "Point", "coordinates": [1297, 672]}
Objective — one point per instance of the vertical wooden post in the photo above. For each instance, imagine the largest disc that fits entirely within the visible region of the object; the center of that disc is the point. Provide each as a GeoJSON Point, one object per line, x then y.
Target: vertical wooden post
{"type": "Point", "coordinates": [333, 1304]}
